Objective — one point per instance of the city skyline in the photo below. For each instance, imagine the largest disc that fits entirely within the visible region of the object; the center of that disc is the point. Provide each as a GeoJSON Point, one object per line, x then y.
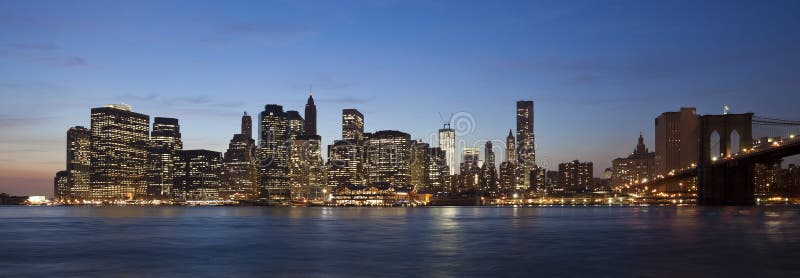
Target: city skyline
{"type": "Point", "coordinates": [54, 78]}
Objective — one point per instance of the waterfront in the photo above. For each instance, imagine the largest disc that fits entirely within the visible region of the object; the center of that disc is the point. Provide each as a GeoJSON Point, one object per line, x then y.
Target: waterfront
{"type": "Point", "coordinates": [429, 241]}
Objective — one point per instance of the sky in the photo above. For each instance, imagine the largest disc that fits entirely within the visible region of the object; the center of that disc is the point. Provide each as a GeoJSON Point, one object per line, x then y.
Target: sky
{"type": "Point", "coordinates": [598, 71]}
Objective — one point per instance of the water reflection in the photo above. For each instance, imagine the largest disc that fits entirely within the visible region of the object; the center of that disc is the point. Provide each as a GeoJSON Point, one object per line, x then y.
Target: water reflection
{"type": "Point", "coordinates": [440, 242]}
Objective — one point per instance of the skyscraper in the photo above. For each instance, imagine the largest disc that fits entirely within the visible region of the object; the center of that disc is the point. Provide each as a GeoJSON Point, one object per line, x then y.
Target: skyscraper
{"type": "Point", "coordinates": [511, 150]}
{"type": "Point", "coordinates": [118, 152]}
{"type": "Point", "coordinates": [345, 163]}
{"type": "Point", "coordinates": [576, 176]}
{"type": "Point", "coordinates": [470, 170]}
{"type": "Point", "coordinates": [79, 156]}
{"type": "Point", "coordinates": [311, 116]}
{"type": "Point", "coordinates": [61, 186]}
{"type": "Point", "coordinates": [240, 177]}
{"type": "Point", "coordinates": [676, 140]}
{"type": "Point", "coordinates": [247, 126]}
{"type": "Point", "coordinates": [352, 125]}
{"type": "Point", "coordinates": [165, 142]}
{"type": "Point", "coordinates": [526, 153]}
{"type": "Point", "coordinates": [635, 168]}
{"type": "Point", "coordinates": [438, 173]}
{"type": "Point", "coordinates": [273, 152]}
{"type": "Point", "coordinates": [418, 166]}
{"type": "Point", "coordinates": [197, 175]}
{"type": "Point", "coordinates": [388, 154]}
{"type": "Point", "coordinates": [447, 142]}
{"type": "Point", "coordinates": [296, 124]}
{"type": "Point", "coordinates": [305, 168]}
{"type": "Point", "coordinates": [488, 171]}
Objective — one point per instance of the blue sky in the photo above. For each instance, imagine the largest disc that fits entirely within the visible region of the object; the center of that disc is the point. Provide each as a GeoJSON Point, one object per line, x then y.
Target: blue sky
{"type": "Point", "coordinates": [599, 71]}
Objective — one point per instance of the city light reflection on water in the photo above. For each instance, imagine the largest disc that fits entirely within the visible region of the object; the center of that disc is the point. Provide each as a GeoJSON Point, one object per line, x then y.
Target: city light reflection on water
{"type": "Point", "coordinates": [439, 241]}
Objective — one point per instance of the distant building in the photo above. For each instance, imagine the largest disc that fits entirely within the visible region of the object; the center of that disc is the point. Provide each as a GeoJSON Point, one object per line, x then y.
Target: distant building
{"type": "Point", "coordinates": [507, 176]}
{"type": "Point", "coordinates": [273, 154]}
{"type": "Point", "coordinates": [352, 125]}
{"type": "Point", "coordinates": [197, 175]}
{"type": "Point", "coordinates": [310, 122]}
{"type": "Point", "coordinates": [576, 176]}
{"type": "Point", "coordinates": [488, 179]}
{"type": "Point", "coordinates": [118, 152]}
{"type": "Point", "coordinates": [437, 170]}
{"type": "Point", "coordinates": [306, 175]}
{"type": "Point", "coordinates": [296, 124]}
{"type": "Point", "coordinates": [165, 142]}
{"type": "Point", "coordinates": [447, 142]}
{"type": "Point", "coordinates": [345, 163]}
{"type": "Point", "coordinates": [61, 186]}
{"type": "Point", "coordinates": [79, 156]}
{"type": "Point", "coordinates": [418, 168]}
{"type": "Point", "coordinates": [636, 168]}
{"type": "Point", "coordinates": [511, 150]}
{"type": "Point", "coordinates": [379, 194]}
{"type": "Point", "coordinates": [470, 170]}
{"type": "Point", "coordinates": [240, 176]}
{"type": "Point", "coordinates": [526, 152]}
{"type": "Point", "coordinates": [676, 140]}
{"type": "Point", "coordinates": [388, 155]}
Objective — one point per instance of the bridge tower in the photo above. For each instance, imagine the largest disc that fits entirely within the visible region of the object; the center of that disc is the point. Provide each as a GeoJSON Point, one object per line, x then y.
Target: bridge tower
{"type": "Point", "coordinates": [728, 183]}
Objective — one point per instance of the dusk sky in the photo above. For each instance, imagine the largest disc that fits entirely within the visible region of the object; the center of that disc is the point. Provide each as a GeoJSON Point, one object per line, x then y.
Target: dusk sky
{"type": "Point", "coordinates": [598, 71]}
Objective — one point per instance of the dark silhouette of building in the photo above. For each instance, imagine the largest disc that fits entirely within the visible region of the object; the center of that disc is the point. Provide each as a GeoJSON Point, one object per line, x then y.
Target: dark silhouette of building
{"type": "Point", "coordinates": [526, 153]}
{"type": "Point", "coordinates": [352, 125]}
{"type": "Point", "coordinates": [197, 175]}
{"type": "Point", "coordinates": [676, 140]}
{"type": "Point", "coordinates": [165, 142]}
{"type": "Point", "coordinates": [488, 181]}
{"type": "Point", "coordinates": [118, 152]}
{"type": "Point", "coordinates": [273, 154]}
{"type": "Point", "coordinates": [79, 156]}
{"type": "Point", "coordinates": [240, 177]}
{"type": "Point", "coordinates": [61, 186]}
{"type": "Point", "coordinates": [296, 124]}
{"type": "Point", "coordinates": [311, 117]}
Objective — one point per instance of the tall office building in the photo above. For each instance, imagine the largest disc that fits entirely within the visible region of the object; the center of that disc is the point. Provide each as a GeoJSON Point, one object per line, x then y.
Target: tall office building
{"type": "Point", "coordinates": [345, 163]}
{"type": "Point", "coordinates": [273, 153]}
{"type": "Point", "coordinates": [311, 117]}
{"type": "Point", "coordinates": [197, 175]}
{"type": "Point", "coordinates": [676, 140]}
{"type": "Point", "coordinates": [79, 156]}
{"type": "Point", "coordinates": [511, 150]}
{"type": "Point", "coordinates": [438, 173]}
{"type": "Point", "coordinates": [470, 170]}
{"type": "Point", "coordinates": [418, 166]}
{"type": "Point", "coordinates": [306, 175]}
{"type": "Point", "coordinates": [488, 179]}
{"type": "Point", "coordinates": [447, 142]}
{"type": "Point", "coordinates": [526, 152]}
{"type": "Point", "coordinates": [507, 179]}
{"type": "Point", "coordinates": [118, 152]}
{"type": "Point", "coordinates": [352, 125]}
{"type": "Point", "coordinates": [165, 142]}
{"type": "Point", "coordinates": [247, 126]}
{"type": "Point", "coordinates": [240, 177]}
{"type": "Point", "coordinates": [61, 186]}
{"type": "Point", "coordinates": [388, 154]}
{"type": "Point", "coordinates": [576, 176]}
{"type": "Point", "coordinates": [296, 124]}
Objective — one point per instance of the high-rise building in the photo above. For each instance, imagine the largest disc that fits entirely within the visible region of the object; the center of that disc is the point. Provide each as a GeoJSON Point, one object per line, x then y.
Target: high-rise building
{"type": "Point", "coordinates": [240, 176]}
{"type": "Point", "coordinates": [676, 140]}
{"type": "Point", "coordinates": [352, 125]}
{"type": "Point", "coordinates": [388, 154]}
{"type": "Point", "coordinates": [118, 152]}
{"type": "Point", "coordinates": [526, 152]}
{"type": "Point", "coordinates": [247, 126]}
{"type": "Point", "coordinates": [470, 170]}
{"type": "Point", "coordinates": [165, 142]}
{"type": "Point", "coordinates": [197, 175]}
{"type": "Point", "coordinates": [61, 186]}
{"type": "Point", "coordinates": [306, 175]}
{"type": "Point", "coordinates": [311, 117]}
{"type": "Point", "coordinates": [488, 180]}
{"type": "Point", "coordinates": [345, 163]}
{"type": "Point", "coordinates": [296, 124]}
{"type": "Point", "coordinates": [511, 149]}
{"type": "Point", "coordinates": [637, 167]}
{"type": "Point", "coordinates": [507, 179]}
{"type": "Point", "coordinates": [273, 152]}
{"type": "Point", "coordinates": [576, 176]}
{"type": "Point", "coordinates": [79, 156]}
{"type": "Point", "coordinates": [438, 172]}
{"type": "Point", "coordinates": [447, 142]}
{"type": "Point", "coordinates": [418, 166]}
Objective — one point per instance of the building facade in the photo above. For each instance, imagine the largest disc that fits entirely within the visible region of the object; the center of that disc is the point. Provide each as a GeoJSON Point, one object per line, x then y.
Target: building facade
{"type": "Point", "coordinates": [575, 176]}
{"type": "Point", "coordinates": [447, 142]}
{"type": "Point", "coordinates": [165, 142]}
{"type": "Point", "coordinates": [526, 149]}
{"type": "Point", "coordinates": [676, 140]}
{"type": "Point", "coordinates": [197, 175]}
{"type": "Point", "coordinates": [388, 157]}
{"type": "Point", "coordinates": [118, 152]}
{"type": "Point", "coordinates": [636, 168]}
{"type": "Point", "coordinates": [273, 154]}
{"type": "Point", "coordinates": [79, 156]}
{"type": "Point", "coordinates": [352, 125]}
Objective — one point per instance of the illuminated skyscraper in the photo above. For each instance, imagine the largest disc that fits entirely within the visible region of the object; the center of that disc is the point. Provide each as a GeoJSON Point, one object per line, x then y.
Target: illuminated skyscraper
{"type": "Point", "coordinates": [61, 186]}
{"type": "Point", "coordinates": [676, 140]}
{"type": "Point", "coordinates": [306, 175]}
{"type": "Point", "coordinates": [296, 124]}
{"type": "Point", "coordinates": [575, 176]}
{"type": "Point", "coordinates": [418, 168]}
{"type": "Point", "coordinates": [240, 177]}
{"type": "Point", "coordinates": [488, 180]}
{"type": "Point", "coordinates": [447, 142]}
{"type": "Point", "coordinates": [165, 142]}
{"type": "Point", "coordinates": [79, 156]}
{"type": "Point", "coordinates": [470, 170]}
{"type": "Point", "coordinates": [352, 125]}
{"type": "Point", "coordinates": [311, 117]}
{"type": "Point", "coordinates": [197, 175]}
{"type": "Point", "coordinates": [511, 150]}
{"type": "Point", "coordinates": [388, 154]}
{"type": "Point", "coordinates": [273, 153]}
{"type": "Point", "coordinates": [345, 163]}
{"type": "Point", "coordinates": [526, 153]}
{"type": "Point", "coordinates": [119, 152]}
{"type": "Point", "coordinates": [438, 173]}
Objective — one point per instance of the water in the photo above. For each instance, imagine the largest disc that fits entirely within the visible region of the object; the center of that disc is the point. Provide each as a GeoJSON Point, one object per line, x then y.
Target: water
{"type": "Point", "coordinates": [404, 242]}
